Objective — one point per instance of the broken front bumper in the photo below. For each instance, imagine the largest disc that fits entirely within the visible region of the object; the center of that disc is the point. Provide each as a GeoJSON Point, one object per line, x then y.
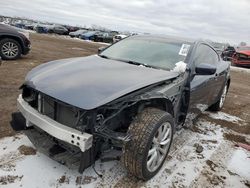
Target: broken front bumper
{"type": "Point", "coordinates": [53, 128]}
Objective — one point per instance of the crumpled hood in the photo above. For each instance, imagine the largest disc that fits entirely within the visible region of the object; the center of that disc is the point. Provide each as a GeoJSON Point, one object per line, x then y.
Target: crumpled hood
{"type": "Point", "coordinates": [89, 82]}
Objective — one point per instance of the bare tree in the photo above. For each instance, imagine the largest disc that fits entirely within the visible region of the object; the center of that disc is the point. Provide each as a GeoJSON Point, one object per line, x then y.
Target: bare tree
{"type": "Point", "coordinates": [242, 44]}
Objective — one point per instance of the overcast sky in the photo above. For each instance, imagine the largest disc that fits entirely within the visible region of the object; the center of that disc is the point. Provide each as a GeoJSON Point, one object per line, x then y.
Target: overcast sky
{"type": "Point", "coordinates": [219, 20]}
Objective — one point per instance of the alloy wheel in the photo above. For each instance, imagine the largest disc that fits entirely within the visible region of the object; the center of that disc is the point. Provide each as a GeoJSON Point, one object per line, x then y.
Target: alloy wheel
{"type": "Point", "coordinates": [159, 147]}
{"type": "Point", "coordinates": [10, 49]}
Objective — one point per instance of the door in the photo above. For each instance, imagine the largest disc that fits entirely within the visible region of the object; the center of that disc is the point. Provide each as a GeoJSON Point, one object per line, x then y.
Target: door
{"type": "Point", "coordinates": [202, 86]}
{"type": "Point", "coordinates": [219, 81]}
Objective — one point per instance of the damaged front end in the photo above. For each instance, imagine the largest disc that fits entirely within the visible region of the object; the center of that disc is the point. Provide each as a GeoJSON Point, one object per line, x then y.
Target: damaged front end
{"type": "Point", "coordinates": [241, 59]}
{"type": "Point", "coordinates": [100, 129]}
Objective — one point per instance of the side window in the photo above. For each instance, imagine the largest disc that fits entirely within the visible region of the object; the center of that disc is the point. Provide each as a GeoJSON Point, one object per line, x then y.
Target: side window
{"type": "Point", "coordinates": [205, 54]}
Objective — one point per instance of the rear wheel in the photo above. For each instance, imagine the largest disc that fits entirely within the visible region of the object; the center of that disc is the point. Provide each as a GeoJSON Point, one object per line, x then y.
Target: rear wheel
{"type": "Point", "coordinates": [10, 49]}
{"type": "Point", "coordinates": [219, 104]}
{"type": "Point", "coordinates": [151, 138]}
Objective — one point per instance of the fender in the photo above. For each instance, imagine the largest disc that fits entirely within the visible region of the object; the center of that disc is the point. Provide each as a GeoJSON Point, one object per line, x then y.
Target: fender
{"type": "Point", "coordinates": [13, 36]}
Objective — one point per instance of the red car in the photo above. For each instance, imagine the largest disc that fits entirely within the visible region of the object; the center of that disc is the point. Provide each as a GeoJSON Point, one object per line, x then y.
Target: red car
{"type": "Point", "coordinates": [242, 56]}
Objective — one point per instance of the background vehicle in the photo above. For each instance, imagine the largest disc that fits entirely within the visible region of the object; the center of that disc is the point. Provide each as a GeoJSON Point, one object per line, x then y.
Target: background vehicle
{"type": "Point", "coordinates": [116, 38]}
{"type": "Point", "coordinates": [41, 28]}
{"type": "Point", "coordinates": [60, 30]}
{"type": "Point", "coordinates": [242, 56]}
{"type": "Point", "coordinates": [71, 28]}
{"type": "Point", "coordinates": [104, 37]}
{"type": "Point", "coordinates": [13, 42]}
{"type": "Point", "coordinates": [78, 33]}
{"type": "Point", "coordinates": [88, 35]}
{"type": "Point", "coordinates": [29, 27]}
{"type": "Point", "coordinates": [158, 85]}
{"type": "Point", "coordinates": [228, 53]}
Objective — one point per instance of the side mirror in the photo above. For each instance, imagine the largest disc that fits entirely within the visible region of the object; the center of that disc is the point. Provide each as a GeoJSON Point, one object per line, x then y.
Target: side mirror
{"type": "Point", "coordinates": [205, 69]}
{"type": "Point", "coordinates": [101, 49]}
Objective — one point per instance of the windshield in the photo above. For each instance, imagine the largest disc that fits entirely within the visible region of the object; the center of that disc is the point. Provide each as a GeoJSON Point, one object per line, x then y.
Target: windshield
{"type": "Point", "coordinates": [153, 52]}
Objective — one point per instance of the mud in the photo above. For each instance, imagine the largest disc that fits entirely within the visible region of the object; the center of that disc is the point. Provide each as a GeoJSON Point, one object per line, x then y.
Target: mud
{"type": "Point", "coordinates": [198, 148]}
{"type": "Point", "coordinates": [235, 138]}
{"type": "Point", "coordinates": [237, 127]}
{"type": "Point", "coordinates": [63, 179]}
{"type": "Point", "coordinates": [212, 165]}
{"type": "Point", "coordinates": [26, 150]}
{"type": "Point", "coordinates": [82, 180]}
{"type": "Point", "coordinates": [4, 180]}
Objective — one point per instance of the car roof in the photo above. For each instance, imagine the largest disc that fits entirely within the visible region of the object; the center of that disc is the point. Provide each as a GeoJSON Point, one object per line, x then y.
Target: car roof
{"type": "Point", "coordinates": [89, 33]}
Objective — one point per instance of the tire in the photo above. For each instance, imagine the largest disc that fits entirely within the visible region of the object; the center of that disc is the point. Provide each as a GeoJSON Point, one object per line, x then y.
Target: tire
{"type": "Point", "coordinates": [219, 104]}
{"type": "Point", "coordinates": [10, 49]}
{"type": "Point", "coordinates": [143, 130]}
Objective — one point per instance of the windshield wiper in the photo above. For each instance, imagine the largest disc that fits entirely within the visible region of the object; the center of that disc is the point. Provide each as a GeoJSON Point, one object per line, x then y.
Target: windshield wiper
{"type": "Point", "coordinates": [133, 62]}
{"type": "Point", "coordinates": [141, 64]}
{"type": "Point", "coordinates": [103, 56]}
{"type": "Point", "coordinates": [130, 62]}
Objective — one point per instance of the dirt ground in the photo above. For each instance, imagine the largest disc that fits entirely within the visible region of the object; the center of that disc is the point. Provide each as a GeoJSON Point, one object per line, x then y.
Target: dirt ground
{"type": "Point", "coordinates": [204, 156]}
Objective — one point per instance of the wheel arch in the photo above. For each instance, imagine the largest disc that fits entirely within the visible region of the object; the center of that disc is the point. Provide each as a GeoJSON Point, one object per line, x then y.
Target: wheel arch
{"type": "Point", "coordinates": [16, 38]}
{"type": "Point", "coordinates": [159, 103]}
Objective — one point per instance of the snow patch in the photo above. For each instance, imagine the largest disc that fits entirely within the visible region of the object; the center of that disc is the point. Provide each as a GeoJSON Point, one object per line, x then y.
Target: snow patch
{"type": "Point", "coordinates": [75, 48]}
{"type": "Point", "coordinates": [186, 165]}
{"type": "Point", "coordinates": [224, 116]}
{"type": "Point", "coordinates": [240, 163]}
{"type": "Point", "coordinates": [183, 166]}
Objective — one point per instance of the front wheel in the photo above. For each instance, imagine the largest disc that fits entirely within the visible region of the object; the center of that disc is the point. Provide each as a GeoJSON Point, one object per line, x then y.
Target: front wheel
{"type": "Point", "coordinates": [151, 137]}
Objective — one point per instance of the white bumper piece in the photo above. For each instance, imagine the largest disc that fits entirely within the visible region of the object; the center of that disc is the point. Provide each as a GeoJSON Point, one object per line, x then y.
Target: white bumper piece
{"type": "Point", "coordinates": [53, 128]}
